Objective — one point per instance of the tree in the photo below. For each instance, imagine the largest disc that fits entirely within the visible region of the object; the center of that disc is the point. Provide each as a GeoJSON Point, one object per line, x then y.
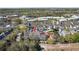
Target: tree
{"type": "Point", "coordinates": [18, 21]}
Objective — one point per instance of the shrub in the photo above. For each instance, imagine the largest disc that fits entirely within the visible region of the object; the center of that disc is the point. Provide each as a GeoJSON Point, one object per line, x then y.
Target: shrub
{"type": "Point", "coordinates": [50, 41]}
{"type": "Point", "coordinates": [70, 38]}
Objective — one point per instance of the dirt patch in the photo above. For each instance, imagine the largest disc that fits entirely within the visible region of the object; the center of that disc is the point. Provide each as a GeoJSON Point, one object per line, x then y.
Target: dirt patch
{"type": "Point", "coordinates": [61, 47]}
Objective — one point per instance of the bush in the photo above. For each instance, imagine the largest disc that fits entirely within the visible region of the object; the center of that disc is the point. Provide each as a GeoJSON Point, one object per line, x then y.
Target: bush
{"type": "Point", "coordinates": [70, 38]}
{"type": "Point", "coordinates": [26, 45]}
{"type": "Point", "coordinates": [34, 45]}
{"type": "Point", "coordinates": [51, 41]}
{"type": "Point", "coordinates": [1, 31]}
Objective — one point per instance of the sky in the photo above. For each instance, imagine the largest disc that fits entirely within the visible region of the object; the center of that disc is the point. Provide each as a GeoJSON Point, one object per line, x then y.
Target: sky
{"type": "Point", "coordinates": [38, 3]}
